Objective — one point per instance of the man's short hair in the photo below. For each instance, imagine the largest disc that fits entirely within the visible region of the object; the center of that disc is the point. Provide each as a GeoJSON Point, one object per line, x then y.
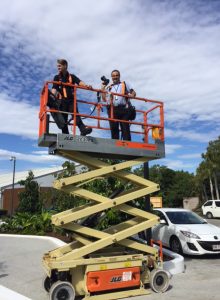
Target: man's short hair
{"type": "Point", "coordinates": [115, 71]}
{"type": "Point", "coordinates": [62, 62]}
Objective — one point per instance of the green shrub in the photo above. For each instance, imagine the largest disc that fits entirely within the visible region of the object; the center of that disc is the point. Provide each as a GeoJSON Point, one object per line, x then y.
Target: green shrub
{"type": "Point", "coordinates": [27, 223]}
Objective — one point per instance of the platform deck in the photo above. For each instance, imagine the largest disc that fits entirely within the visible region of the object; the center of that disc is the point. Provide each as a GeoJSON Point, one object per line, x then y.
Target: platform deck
{"type": "Point", "coordinates": [102, 148]}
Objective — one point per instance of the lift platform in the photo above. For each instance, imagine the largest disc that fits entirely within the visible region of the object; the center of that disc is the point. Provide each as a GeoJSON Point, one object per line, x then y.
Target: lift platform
{"type": "Point", "coordinates": [113, 263]}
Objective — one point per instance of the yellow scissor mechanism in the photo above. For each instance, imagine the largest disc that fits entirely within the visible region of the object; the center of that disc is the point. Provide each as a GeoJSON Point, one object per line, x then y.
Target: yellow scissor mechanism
{"type": "Point", "coordinates": [93, 249]}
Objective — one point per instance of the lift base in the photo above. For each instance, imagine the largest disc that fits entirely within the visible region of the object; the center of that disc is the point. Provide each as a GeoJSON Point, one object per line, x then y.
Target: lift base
{"type": "Point", "coordinates": [119, 295]}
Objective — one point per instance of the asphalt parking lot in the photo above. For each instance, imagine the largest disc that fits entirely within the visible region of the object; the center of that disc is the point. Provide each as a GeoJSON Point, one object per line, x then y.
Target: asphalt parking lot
{"type": "Point", "coordinates": [21, 271]}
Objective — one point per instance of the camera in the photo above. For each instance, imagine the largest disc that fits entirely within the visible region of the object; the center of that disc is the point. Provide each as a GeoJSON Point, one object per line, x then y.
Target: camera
{"type": "Point", "coordinates": [105, 80]}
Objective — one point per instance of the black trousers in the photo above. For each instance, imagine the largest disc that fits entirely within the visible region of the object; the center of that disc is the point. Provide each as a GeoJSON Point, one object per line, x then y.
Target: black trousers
{"type": "Point", "coordinates": [67, 106]}
{"type": "Point", "coordinates": [62, 119]}
{"type": "Point", "coordinates": [119, 112]}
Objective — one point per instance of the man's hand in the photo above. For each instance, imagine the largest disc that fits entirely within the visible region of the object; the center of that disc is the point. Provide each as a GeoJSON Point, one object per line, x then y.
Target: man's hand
{"type": "Point", "coordinates": [82, 83]}
{"type": "Point", "coordinates": [103, 87]}
{"type": "Point", "coordinates": [132, 93]}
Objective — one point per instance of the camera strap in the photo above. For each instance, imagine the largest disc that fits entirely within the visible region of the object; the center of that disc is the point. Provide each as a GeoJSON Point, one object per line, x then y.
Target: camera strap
{"type": "Point", "coordinates": [63, 92]}
{"type": "Point", "coordinates": [123, 88]}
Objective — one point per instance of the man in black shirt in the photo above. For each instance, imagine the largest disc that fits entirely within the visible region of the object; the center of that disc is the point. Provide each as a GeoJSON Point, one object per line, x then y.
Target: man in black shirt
{"type": "Point", "coordinates": [65, 94]}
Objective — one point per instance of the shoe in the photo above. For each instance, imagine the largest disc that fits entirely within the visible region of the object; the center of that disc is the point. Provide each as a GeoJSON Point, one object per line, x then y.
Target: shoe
{"type": "Point", "coordinates": [86, 131]}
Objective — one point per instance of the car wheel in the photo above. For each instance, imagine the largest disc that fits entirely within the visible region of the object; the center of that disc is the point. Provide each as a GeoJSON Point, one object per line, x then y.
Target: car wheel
{"type": "Point", "coordinates": [175, 245]}
{"type": "Point", "coordinates": [209, 215]}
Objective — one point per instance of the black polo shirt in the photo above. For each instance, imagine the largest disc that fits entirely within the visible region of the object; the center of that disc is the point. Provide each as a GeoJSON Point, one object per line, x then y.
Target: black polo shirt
{"type": "Point", "coordinates": [62, 78]}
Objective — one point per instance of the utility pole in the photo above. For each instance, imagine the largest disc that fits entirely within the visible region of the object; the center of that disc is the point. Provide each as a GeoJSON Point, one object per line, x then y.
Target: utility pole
{"type": "Point", "coordinates": [13, 158]}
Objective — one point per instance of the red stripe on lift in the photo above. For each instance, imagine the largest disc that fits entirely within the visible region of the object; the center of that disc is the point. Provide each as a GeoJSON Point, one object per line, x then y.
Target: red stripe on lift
{"type": "Point", "coordinates": [135, 145]}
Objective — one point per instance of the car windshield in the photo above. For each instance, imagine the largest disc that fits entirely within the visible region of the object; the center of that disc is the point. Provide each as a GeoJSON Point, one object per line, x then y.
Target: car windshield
{"type": "Point", "coordinates": [184, 217]}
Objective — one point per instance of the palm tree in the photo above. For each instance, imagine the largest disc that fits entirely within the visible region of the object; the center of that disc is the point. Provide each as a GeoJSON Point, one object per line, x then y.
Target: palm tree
{"type": "Point", "coordinates": [212, 157]}
{"type": "Point", "coordinates": [202, 176]}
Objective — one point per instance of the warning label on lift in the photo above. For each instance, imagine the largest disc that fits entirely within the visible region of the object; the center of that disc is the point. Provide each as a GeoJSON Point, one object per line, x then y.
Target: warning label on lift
{"type": "Point", "coordinates": [126, 276]}
{"type": "Point", "coordinates": [113, 279]}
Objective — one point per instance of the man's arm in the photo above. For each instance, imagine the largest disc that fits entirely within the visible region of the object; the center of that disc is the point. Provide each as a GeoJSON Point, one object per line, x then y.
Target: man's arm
{"type": "Point", "coordinates": [54, 89]}
{"type": "Point", "coordinates": [131, 92]}
{"type": "Point", "coordinates": [82, 83]}
{"type": "Point", "coordinates": [103, 88]}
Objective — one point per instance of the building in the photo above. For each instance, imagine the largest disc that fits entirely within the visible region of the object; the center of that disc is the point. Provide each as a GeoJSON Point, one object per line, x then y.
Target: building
{"type": "Point", "coordinates": [9, 199]}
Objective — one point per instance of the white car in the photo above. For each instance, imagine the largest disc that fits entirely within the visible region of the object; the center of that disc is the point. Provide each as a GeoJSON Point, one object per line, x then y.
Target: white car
{"type": "Point", "coordinates": [211, 209]}
{"type": "Point", "coordinates": [183, 231]}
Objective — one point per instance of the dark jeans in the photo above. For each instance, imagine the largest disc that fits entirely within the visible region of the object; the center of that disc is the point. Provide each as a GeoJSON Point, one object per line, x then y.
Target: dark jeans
{"type": "Point", "coordinates": [67, 106]}
{"type": "Point", "coordinates": [119, 112]}
{"type": "Point", "coordinates": [62, 119]}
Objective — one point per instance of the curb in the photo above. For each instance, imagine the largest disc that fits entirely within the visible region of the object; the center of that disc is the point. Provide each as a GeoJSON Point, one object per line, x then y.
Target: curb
{"type": "Point", "coordinates": [7, 294]}
{"type": "Point", "coordinates": [56, 241]}
{"type": "Point", "coordinates": [176, 265]}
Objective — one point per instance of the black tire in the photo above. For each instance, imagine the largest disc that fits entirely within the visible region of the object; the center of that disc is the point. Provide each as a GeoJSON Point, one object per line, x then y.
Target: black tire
{"type": "Point", "coordinates": [62, 290]}
{"type": "Point", "coordinates": [159, 280]}
{"type": "Point", "coordinates": [47, 283]}
{"type": "Point", "coordinates": [209, 215]}
{"type": "Point", "coordinates": [175, 245]}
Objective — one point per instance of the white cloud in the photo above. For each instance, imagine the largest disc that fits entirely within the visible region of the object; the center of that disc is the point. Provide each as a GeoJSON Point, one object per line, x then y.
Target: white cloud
{"type": "Point", "coordinates": [190, 135]}
{"type": "Point", "coordinates": [176, 164]}
{"type": "Point", "coordinates": [34, 158]}
{"type": "Point", "coordinates": [40, 152]}
{"type": "Point", "coordinates": [190, 156]}
{"type": "Point", "coordinates": [18, 118]}
{"type": "Point", "coordinates": [172, 148]}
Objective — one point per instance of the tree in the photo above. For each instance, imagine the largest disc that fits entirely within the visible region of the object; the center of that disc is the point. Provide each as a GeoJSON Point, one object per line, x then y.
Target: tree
{"type": "Point", "coordinates": [59, 200]}
{"type": "Point", "coordinates": [209, 170]}
{"type": "Point", "coordinates": [212, 157]}
{"type": "Point", "coordinates": [108, 186]}
{"type": "Point", "coordinates": [183, 187]}
{"type": "Point", "coordinates": [68, 170]}
{"type": "Point", "coordinates": [29, 200]}
{"type": "Point", "coordinates": [174, 185]}
{"type": "Point", "coordinates": [201, 176]}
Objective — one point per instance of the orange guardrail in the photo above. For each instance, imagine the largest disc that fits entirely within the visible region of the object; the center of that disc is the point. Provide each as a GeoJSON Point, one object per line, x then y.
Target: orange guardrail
{"type": "Point", "coordinates": [148, 125]}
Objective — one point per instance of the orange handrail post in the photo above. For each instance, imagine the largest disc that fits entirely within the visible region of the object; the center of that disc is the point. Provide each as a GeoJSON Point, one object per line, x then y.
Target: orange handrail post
{"type": "Point", "coordinates": [43, 107]}
{"type": "Point", "coordinates": [74, 110]}
{"type": "Point", "coordinates": [159, 243]}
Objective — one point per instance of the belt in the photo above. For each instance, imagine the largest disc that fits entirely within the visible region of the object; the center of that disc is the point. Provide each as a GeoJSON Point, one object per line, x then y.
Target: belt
{"type": "Point", "coordinates": [120, 105]}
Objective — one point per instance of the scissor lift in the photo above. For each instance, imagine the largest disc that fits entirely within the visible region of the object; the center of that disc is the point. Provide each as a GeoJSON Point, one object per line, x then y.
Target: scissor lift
{"type": "Point", "coordinates": [109, 264]}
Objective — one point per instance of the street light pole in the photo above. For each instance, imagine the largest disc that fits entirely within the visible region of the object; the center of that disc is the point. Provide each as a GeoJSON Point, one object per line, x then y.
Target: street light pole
{"type": "Point", "coordinates": [13, 158]}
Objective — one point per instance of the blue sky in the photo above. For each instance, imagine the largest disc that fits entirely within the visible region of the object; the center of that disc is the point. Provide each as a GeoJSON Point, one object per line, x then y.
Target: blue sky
{"type": "Point", "coordinates": [168, 50]}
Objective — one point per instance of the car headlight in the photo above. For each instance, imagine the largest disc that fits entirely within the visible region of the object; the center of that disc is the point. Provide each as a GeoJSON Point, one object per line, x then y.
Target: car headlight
{"type": "Point", "coordinates": [190, 234]}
